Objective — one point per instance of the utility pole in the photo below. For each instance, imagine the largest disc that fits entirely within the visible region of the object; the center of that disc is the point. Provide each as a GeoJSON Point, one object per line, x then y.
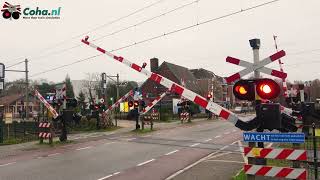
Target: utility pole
{"type": "Point", "coordinates": [27, 89]}
{"type": "Point", "coordinates": [104, 86]}
{"type": "Point", "coordinates": [118, 83]}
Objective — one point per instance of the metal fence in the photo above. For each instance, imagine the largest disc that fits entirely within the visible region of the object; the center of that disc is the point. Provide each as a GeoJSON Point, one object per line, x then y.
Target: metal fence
{"type": "Point", "coordinates": [22, 131]}
{"type": "Point", "coordinates": [312, 145]}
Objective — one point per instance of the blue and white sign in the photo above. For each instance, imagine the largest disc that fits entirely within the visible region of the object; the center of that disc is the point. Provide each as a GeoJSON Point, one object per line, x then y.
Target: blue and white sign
{"type": "Point", "coordinates": [273, 137]}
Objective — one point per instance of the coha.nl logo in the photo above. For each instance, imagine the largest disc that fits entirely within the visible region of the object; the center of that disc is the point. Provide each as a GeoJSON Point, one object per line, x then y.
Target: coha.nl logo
{"type": "Point", "coordinates": [14, 11]}
{"type": "Point", "coordinates": [10, 11]}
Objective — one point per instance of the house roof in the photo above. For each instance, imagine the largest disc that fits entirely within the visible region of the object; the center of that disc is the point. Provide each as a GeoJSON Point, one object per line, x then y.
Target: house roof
{"type": "Point", "coordinates": [202, 73]}
{"type": "Point", "coordinates": [7, 100]}
{"type": "Point", "coordinates": [183, 74]}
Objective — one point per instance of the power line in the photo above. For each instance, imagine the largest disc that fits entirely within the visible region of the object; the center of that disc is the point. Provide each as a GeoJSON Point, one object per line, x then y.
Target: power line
{"type": "Point", "coordinates": [165, 34]}
{"type": "Point", "coordinates": [104, 25]}
{"type": "Point", "coordinates": [121, 30]}
{"type": "Point", "coordinates": [59, 67]}
{"type": "Point", "coordinates": [15, 64]}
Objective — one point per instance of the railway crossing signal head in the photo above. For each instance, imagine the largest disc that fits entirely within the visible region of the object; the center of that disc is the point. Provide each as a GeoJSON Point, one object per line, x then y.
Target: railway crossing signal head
{"type": "Point", "coordinates": [136, 104]}
{"type": "Point", "coordinates": [130, 103]}
{"type": "Point", "coordinates": [244, 90]}
{"type": "Point", "coordinates": [267, 88]}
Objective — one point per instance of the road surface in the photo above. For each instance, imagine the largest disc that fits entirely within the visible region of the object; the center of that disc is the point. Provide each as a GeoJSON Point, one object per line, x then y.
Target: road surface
{"type": "Point", "coordinates": [158, 155]}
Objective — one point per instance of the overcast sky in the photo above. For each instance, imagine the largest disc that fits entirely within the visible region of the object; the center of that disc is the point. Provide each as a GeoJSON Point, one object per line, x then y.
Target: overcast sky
{"type": "Point", "coordinates": [295, 22]}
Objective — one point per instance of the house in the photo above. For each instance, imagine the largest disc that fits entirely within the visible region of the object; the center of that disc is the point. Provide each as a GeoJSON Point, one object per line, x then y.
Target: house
{"type": "Point", "coordinates": [16, 103]}
{"type": "Point", "coordinates": [200, 81]}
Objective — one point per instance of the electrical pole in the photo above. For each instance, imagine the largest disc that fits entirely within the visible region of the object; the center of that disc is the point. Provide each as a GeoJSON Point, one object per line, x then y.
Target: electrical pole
{"type": "Point", "coordinates": [118, 83]}
{"type": "Point", "coordinates": [27, 89]}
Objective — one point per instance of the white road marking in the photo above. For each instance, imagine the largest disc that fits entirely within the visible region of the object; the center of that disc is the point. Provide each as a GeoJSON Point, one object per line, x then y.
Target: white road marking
{"type": "Point", "coordinates": [106, 177]}
{"type": "Point", "coordinates": [131, 139]}
{"type": "Point", "coordinates": [197, 162]}
{"type": "Point", "coordinates": [53, 154]}
{"type": "Point", "coordinates": [172, 152]}
{"type": "Point", "coordinates": [1, 165]}
{"type": "Point", "coordinates": [88, 147]}
{"type": "Point", "coordinates": [207, 140]}
{"type": "Point", "coordinates": [196, 144]}
{"type": "Point", "coordinates": [218, 136]}
{"type": "Point", "coordinates": [146, 162]}
{"type": "Point", "coordinates": [218, 155]}
{"type": "Point", "coordinates": [245, 159]}
{"type": "Point", "coordinates": [116, 173]}
{"type": "Point", "coordinates": [40, 157]}
{"type": "Point", "coordinates": [226, 161]}
{"type": "Point", "coordinates": [109, 143]}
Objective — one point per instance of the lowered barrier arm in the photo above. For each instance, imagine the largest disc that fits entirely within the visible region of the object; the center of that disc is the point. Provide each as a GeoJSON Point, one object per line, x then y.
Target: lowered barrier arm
{"type": "Point", "coordinates": [209, 105]}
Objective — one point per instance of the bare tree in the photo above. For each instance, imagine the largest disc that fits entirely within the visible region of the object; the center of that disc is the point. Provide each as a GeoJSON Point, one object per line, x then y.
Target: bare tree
{"type": "Point", "coordinates": [92, 85]}
{"type": "Point", "coordinates": [315, 89]}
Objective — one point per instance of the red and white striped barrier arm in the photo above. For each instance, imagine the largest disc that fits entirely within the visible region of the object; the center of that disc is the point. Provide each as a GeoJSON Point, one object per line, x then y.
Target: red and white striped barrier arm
{"type": "Point", "coordinates": [153, 103]}
{"type": "Point", "coordinates": [130, 93]}
{"type": "Point", "coordinates": [209, 105]}
{"type": "Point", "coordinates": [270, 153]}
{"type": "Point", "coordinates": [48, 106]}
{"type": "Point", "coordinates": [250, 68]}
{"type": "Point", "coordinates": [279, 172]}
{"type": "Point", "coordinates": [284, 84]}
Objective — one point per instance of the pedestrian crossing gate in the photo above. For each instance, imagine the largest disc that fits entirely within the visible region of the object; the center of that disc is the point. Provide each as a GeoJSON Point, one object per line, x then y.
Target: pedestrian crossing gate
{"type": "Point", "coordinates": [272, 171]}
{"type": "Point", "coordinates": [45, 132]}
{"type": "Point", "coordinates": [185, 117]}
{"type": "Point", "coordinates": [147, 120]}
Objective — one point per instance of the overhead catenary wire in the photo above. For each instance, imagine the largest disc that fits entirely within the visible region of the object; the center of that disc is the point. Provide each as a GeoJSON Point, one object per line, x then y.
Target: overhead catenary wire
{"type": "Point", "coordinates": [15, 64]}
{"type": "Point", "coordinates": [102, 25]}
{"type": "Point", "coordinates": [120, 30]}
{"type": "Point", "coordinates": [165, 34]}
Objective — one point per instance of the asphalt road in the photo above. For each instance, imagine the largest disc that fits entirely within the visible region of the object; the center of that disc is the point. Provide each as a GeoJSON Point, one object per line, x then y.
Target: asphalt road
{"type": "Point", "coordinates": [157, 155]}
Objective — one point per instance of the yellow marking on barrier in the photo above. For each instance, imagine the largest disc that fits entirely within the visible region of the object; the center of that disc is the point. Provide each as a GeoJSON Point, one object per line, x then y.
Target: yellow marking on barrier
{"type": "Point", "coordinates": [256, 152]}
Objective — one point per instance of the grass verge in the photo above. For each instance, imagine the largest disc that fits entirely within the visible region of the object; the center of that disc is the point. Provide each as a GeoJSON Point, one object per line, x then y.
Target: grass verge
{"type": "Point", "coordinates": [140, 131]}
{"type": "Point", "coordinates": [240, 176]}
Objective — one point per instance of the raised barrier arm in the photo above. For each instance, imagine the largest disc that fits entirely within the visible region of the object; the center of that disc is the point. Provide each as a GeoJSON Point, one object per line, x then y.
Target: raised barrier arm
{"type": "Point", "coordinates": [48, 106]}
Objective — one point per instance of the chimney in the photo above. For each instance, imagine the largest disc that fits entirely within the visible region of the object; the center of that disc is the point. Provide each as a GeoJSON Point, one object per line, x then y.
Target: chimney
{"type": "Point", "coordinates": [154, 64]}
